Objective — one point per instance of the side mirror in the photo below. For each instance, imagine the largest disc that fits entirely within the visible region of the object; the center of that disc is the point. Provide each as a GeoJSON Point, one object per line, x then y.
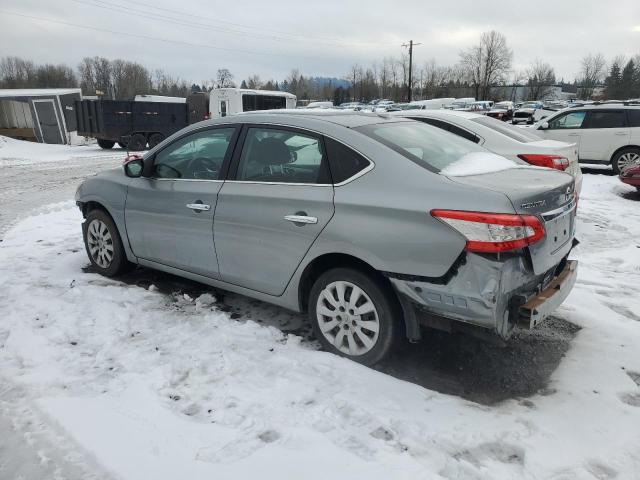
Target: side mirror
{"type": "Point", "coordinates": [133, 166]}
{"type": "Point", "coordinates": [543, 125]}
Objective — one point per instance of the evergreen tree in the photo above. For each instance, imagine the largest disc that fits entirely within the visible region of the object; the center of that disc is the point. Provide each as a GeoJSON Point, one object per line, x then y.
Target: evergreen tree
{"type": "Point", "coordinates": [613, 81]}
{"type": "Point", "coordinates": [627, 81]}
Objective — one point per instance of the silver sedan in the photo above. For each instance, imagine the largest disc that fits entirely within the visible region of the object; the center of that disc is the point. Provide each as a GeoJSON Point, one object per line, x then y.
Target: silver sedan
{"type": "Point", "coordinates": [375, 226]}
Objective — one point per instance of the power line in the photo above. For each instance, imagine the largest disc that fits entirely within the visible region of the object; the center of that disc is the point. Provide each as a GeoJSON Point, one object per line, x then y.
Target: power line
{"type": "Point", "coordinates": [111, 6]}
{"type": "Point", "coordinates": [145, 37]}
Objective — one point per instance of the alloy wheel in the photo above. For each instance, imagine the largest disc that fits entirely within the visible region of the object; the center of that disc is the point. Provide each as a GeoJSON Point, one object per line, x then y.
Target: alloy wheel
{"type": "Point", "coordinates": [100, 243]}
{"type": "Point", "coordinates": [627, 159]}
{"type": "Point", "coordinates": [347, 318]}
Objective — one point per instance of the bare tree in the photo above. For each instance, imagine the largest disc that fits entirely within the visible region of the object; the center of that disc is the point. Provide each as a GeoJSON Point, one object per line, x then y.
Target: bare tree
{"type": "Point", "coordinates": [224, 79]}
{"type": "Point", "coordinates": [592, 72]}
{"type": "Point", "coordinates": [540, 79]}
{"type": "Point", "coordinates": [254, 82]}
{"type": "Point", "coordinates": [487, 63]}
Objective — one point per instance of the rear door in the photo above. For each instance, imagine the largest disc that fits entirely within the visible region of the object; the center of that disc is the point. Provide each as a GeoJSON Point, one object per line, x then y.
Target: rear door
{"type": "Point", "coordinates": [566, 127]}
{"type": "Point", "coordinates": [277, 200]}
{"type": "Point", "coordinates": [603, 132]}
{"type": "Point", "coordinates": [169, 215]}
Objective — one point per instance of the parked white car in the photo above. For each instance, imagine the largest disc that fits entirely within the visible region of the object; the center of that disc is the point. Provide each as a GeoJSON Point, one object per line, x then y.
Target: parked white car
{"type": "Point", "coordinates": [518, 144]}
{"type": "Point", "coordinates": [606, 134]}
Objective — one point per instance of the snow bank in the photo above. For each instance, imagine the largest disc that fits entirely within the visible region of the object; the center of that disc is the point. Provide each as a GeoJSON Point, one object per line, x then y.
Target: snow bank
{"type": "Point", "coordinates": [163, 386]}
{"type": "Point", "coordinates": [476, 163]}
{"type": "Point", "coordinates": [20, 152]}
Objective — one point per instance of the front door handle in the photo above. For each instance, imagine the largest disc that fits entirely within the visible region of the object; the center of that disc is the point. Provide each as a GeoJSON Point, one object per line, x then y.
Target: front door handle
{"type": "Point", "coordinates": [199, 207]}
{"type": "Point", "coordinates": [574, 134]}
{"type": "Point", "coordinates": [301, 219]}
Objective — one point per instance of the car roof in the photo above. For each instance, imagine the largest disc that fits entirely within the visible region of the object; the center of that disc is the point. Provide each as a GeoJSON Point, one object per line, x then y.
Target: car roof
{"type": "Point", "coordinates": [307, 118]}
{"type": "Point", "coordinates": [437, 113]}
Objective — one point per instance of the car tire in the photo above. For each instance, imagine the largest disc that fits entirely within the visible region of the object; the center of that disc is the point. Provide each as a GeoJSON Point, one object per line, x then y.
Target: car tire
{"type": "Point", "coordinates": [106, 144]}
{"type": "Point", "coordinates": [137, 142]}
{"type": "Point", "coordinates": [103, 244]}
{"type": "Point", "coordinates": [335, 321]}
{"type": "Point", "coordinates": [123, 144]}
{"type": "Point", "coordinates": [624, 158]}
{"type": "Point", "coordinates": [155, 139]}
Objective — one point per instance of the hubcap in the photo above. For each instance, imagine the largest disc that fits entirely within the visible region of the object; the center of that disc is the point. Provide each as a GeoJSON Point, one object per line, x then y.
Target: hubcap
{"type": "Point", "coordinates": [348, 318]}
{"type": "Point", "coordinates": [100, 243]}
{"type": "Point", "coordinates": [627, 159]}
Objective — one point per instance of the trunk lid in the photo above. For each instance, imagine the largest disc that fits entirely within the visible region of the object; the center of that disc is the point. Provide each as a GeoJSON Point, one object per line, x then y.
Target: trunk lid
{"type": "Point", "coordinates": [546, 193]}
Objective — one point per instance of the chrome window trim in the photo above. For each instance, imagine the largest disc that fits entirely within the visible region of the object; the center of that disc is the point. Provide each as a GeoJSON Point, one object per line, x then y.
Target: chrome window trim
{"type": "Point", "coordinates": [281, 183]}
{"type": "Point", "coordinates": [184, 180]}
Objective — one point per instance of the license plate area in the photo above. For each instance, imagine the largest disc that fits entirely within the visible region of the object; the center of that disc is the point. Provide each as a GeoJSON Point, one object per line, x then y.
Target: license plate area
{"type": "Point", "coordinates": [560, 230]}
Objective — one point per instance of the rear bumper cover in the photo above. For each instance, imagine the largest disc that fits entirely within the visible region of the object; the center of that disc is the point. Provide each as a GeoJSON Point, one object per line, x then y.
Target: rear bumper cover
{"type": "Point", "coordinates": [494, 293]}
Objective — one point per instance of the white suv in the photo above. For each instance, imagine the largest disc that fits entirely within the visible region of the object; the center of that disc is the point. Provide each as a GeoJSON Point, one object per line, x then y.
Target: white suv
{"type": "Point", "coordinates": [608, 134]}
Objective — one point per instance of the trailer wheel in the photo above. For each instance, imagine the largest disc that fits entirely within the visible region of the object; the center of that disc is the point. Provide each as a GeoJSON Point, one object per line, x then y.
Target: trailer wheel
{"type": "Point", "coordinates": [106, 144]}
{"type": "Point", "coordinates": [155, 139]}
{"type": "Point", "coordinates": [122, 144]}
{"type": "Point", "coordinates": [137, 142]}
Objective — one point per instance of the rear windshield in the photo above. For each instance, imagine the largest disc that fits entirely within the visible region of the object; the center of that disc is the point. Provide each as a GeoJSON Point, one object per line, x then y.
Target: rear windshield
{"type": "Point", "coordinates": [428, 146]}
{"type": "Point", "coordinates": [515, 133]}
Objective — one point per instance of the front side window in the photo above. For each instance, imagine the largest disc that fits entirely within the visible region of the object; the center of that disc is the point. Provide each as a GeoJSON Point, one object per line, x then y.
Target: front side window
{"type": "Point", "coordinates": [198, 156]}
{"type": "Point", "coordinates": [607, 119]}
{"type": "Point", "coordinates": [425, 145]}
{"type": "Point", "coordinates": [282, 156]}
{"type": "Point", "coordinates": [567, 120]}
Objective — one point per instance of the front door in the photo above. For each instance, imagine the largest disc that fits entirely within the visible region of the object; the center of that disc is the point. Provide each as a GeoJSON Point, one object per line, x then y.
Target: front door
{"type": "Point", "coordinates": [47, 120]}
{"type": "Point", "coordinates": [566, 127]}
{"type": "Point", "coordinates": [169, 215]}
{"type": "Point", "coordinates": [604, 131]}
{"type": "Point", "coordinates": [270, 213]}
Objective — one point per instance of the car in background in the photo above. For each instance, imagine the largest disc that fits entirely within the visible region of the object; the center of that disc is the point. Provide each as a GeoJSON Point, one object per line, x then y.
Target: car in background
{"type": "Point", "coordinates": [432, 103]}
{"type": "Point", "coordinates": [605, 134]}
{"type": "Point", "coordinates": [631, 175]}
{"type": "Point", "coordinates": [501, 111]}
{"type": "Point", "coordinates": [461, 103]}
{"type": "Point", "coordinates": [518, 144]}
{"type": "Point", "coordinates": [373, 225]}
{"type": "Point", "coordinates": [319, 105]}
{"type": "Point", "coordinates": [355, 106]}
{"type": "Point", "coordinates": [482, 106]}
{"type": "Point", "coordinates": [526, 113]}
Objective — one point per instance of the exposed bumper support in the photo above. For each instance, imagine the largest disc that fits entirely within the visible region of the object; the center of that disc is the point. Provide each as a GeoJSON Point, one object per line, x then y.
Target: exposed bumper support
{"type": "Point", "coordinates": [540, 306]}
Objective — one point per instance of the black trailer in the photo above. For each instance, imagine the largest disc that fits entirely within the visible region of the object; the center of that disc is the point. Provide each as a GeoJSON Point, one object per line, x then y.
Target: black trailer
{"type": "Point", "coordinates": [130, 124]}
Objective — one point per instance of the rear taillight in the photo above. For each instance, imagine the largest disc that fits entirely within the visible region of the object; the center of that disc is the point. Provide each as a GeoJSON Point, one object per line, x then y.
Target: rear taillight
{"type": "Point", "coordinates": [549, 161]}
{"type": "Point", "coordinates": [493, 232]}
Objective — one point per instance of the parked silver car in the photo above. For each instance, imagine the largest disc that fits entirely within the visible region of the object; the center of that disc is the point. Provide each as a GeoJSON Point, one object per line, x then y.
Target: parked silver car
{"type": "Point", "coordinates": [368, 223]}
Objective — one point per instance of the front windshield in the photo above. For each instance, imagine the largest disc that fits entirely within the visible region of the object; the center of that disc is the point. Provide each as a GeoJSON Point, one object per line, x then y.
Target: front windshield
{"type": "Point", "coordinates": [428, 146]}
{"type": "Point", "coordinates": [515, 133]}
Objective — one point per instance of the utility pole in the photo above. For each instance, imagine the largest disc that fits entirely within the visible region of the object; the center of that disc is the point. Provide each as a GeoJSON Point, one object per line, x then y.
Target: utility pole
{"type": "Point", "coordinates": [410, 83]}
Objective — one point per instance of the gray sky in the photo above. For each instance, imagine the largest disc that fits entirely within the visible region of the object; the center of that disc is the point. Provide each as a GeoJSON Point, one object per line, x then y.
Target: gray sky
{"type": "Point", "coordinates": [319, 38]}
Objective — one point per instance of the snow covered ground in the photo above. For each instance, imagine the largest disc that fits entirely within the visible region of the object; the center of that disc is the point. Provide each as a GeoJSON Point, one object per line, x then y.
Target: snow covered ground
{"type": "Point", "coordinates": [105, 379]}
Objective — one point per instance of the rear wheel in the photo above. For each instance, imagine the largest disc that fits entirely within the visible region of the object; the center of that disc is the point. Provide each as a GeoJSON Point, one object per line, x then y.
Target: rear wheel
{"type": "Point", "coordinates": [155, 139]}
{"type": "Point", "coordinates": [122, 144]}
{"type": "Point", "coordinates": [625, 158]}
{"type": "Point", "coordinates": [137, 142]}
{"type": "Point", "coordinates": [354, 315]}
{"type": "Point", "coordinates": [106, 144]}
{"type": "Point", "coordinates": [103, 244]}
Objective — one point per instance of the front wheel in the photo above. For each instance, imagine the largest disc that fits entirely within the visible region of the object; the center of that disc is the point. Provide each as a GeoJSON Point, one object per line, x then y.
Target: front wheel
{"type": "Point", "coordinates": [625, 158]}
{"type": "Point", "coordinates": [103, 244]}
{"type": "Point", "coordinates": [354, 315]}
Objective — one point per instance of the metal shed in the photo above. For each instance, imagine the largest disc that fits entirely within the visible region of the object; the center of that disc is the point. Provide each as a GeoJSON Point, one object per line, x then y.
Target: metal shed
{"type": "Point", "coordinates": [42, 114]}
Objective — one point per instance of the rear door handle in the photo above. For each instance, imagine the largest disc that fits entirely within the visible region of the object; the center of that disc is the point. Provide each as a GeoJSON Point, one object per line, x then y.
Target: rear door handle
{"type": "Point", "coordinates": [301, 219]}
{"type": "Point", "coordinates": [200, 207]}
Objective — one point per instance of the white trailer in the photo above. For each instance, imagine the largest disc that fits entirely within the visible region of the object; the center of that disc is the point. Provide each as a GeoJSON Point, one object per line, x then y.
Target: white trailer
{"type": "Point", "coordinates": [228, 101]}
{"type": "Point", "coordinates": [434, 103]}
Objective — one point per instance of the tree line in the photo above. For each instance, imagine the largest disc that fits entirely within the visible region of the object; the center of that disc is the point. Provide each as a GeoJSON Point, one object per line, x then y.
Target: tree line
{"type": "Point", "coordinates": [484, 71]}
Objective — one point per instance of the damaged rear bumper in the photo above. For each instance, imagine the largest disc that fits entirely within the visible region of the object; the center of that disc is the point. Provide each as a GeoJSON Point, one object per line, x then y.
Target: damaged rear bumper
{"type": "Point", "coordinates": [540, 306]}
{"type": "Point", "coordinates": [495, 293]}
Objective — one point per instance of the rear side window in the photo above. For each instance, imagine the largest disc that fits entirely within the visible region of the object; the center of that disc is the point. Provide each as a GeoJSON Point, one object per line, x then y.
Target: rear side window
{"type": "Point", "coordinates": [634, 117]}
{"type": "Point", "coordinates": [344, 163]}
{"type": "Point", "coordinates": [608, 119]}
{"type": "Point", "coordinates": [461, 132]}
{"type": "Point", "coordinates": [273, 155]}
